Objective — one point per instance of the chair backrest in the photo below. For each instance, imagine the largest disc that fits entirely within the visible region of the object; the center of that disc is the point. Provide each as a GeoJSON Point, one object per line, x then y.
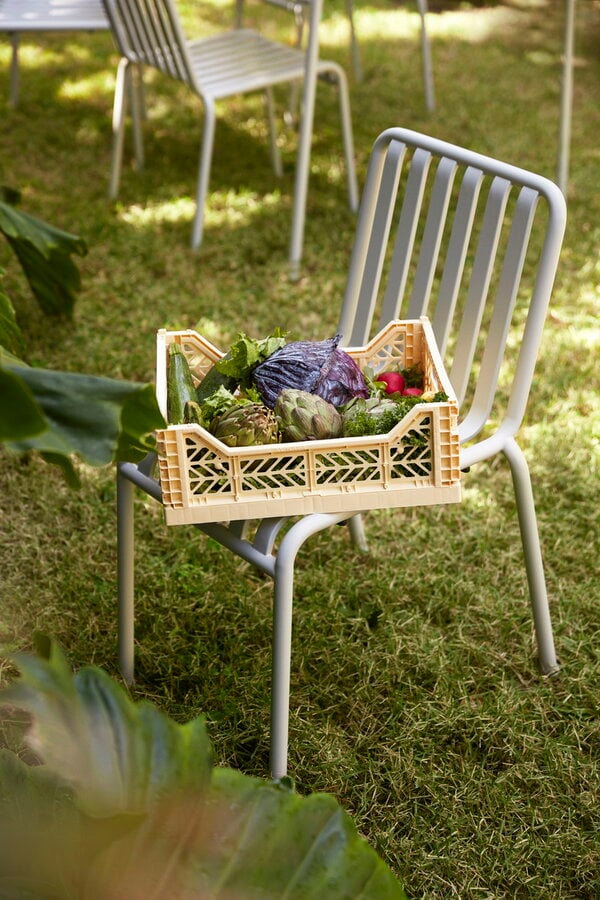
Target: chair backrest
{"type": "Point", "coordinates": [464, 239]}
{"type": "Point", "coordinates": [150, 32]}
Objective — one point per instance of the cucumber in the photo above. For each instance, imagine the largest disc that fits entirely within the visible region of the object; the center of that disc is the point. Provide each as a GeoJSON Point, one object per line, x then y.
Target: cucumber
{"type": "Point", "coordinates": [180, 385]}
{"type": "Point", "coordinates": [213, 380]}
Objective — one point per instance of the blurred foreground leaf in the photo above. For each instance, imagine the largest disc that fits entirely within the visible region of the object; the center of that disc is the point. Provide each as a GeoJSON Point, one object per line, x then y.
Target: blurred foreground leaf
{"type": "Point", "coordinates": [127, 804]}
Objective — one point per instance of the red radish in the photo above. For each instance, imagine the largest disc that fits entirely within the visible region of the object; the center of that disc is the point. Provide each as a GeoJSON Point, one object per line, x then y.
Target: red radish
{"type": "Point", "coordinates": [412, 392]}
{"type": "Point", "coordinates": [394, 382]}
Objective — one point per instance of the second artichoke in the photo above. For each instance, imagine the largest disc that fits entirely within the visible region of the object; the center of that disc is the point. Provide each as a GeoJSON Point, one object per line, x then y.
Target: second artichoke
{"type": "Point", "coordinates": [246, 425]}
{"type": "Point", "coordinates": [306, 417]}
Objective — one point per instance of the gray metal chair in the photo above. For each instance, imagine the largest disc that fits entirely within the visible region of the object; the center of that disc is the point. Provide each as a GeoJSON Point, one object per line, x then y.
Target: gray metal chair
{"type": "Point", "coordinates": [443, 232]}
{"type": "Point", "coordinates": [18, 16]}
{"type": "Point", "coordinates": [239, 61]}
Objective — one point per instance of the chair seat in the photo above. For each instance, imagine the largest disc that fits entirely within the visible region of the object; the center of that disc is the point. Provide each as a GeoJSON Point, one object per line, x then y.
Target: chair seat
{"type": "Point", "coordinates": [52, 15]}
{"type": "Point", "coordinates": [241, 60]}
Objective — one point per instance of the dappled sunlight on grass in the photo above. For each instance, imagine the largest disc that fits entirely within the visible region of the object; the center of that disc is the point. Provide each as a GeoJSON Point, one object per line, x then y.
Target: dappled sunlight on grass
{"type": "Point", "coordinates": [470, 25]}
{"type": "Point", "coordinates": [80, 88]}
{"type": "Point", "coordinates": [224, 208]}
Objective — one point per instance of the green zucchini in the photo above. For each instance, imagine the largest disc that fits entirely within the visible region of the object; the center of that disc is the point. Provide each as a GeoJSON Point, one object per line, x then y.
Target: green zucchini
{"type": "Point", "coordinates": [180, 385]}
{"type": "Point", "coordinates": [213, 380]}
{"type": "Point", "coordinates": [192, 414]}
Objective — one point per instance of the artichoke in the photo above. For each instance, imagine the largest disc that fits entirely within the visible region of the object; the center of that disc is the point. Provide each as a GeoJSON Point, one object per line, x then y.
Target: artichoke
{"type": "Point", "coordinates": [306, 417]}
{"type": "Point", "coordinates": [246, 425]}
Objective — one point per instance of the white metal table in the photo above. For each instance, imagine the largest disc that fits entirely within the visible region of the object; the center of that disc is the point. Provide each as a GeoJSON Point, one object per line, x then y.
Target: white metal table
{"type": "Point", "coordinates": [17, 16]}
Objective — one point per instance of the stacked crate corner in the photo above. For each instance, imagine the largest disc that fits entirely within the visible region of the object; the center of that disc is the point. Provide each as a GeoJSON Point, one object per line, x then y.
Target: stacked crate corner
{"type": "Point", "coordinates": [414, 464]}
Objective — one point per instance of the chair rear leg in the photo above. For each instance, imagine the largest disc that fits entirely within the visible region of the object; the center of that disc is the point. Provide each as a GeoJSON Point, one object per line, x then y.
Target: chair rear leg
{"type": "Point", "coordinates": [533, 557]}
{"type": "Point", "coordinates": [275, 154]}
{"type": "Point", "coordinates": [206, 151]}
{"type": "Point", "coordinates": [346, 122]}
{"type": "Point", "coordinates": [13, 95]}
{"type": "Point", "coordinates": [125, 575]}
{"type": "Point", "coordinates": [357, 533]}
{"type": "Point", "coordinates": [118, 125]}
{"type": "Point", "coordinates": [138, 112]}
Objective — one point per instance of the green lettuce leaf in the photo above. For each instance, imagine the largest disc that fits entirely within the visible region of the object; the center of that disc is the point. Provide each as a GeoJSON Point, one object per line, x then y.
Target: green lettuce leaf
{"type": "Point", "coordinates": [246, 353]}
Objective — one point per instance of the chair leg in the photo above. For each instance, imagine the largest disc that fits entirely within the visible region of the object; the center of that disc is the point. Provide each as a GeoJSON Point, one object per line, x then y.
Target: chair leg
{"type": "Point", "coordinates": [275, 154]}
{"type": "Point", "coordinates": [533, 556]}
{"type": "Point", "coordinates": [357, 533]}
{"type": "Point", "coordinates": [125, 575]}
{"type": "Point", "coordinates": [138, 113]}
{"type": "Point", "coordinates": [354, 48]}
{"type": "Point", "coordinates": [281, 663]}
{"type": "Point", "coordinates": [13, 95]}
{"type": "Point", "coordinates": [426, 58]}
{"type": "Point", "coordinates": [283, 579]}
{"type": "Point", "coordinates": [346, 121]}
{"type": "Point", "coordinates": [206, 151]}
{"type": "Point", "coordinates": [118, 126]}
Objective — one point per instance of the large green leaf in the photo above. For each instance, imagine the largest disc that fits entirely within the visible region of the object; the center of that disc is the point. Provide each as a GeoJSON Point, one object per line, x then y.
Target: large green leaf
{"type": "Point", "coordinates": [119, 756]}
{"type": "Point", "coordinates": [45, 256]}
{"type": "Point", "coordinates": [162, 828]}
{"type": "Point", "coordinates": [99, 419]}
{"type": "Point", "coordinates": [20, 416]}
{"type": "Point", "coordinates": [10, 333]}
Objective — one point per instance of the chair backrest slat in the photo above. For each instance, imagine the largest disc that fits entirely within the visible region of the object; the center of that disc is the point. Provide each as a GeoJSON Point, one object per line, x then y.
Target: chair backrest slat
{"type": "Point", "coordinates": [456, 255]}
{"type": "Point", "coordinates": [149, 32]}
{"type": "Point", "coordinates": [468, 251]}
{"type": "Point", "coordinates": [483, 268]}
{"type": "Point", "coordinates": [506, 296]}
{"type": "Point", "coordinates": [374, 242]}
{"type": "Point", "coordinates": [405, 234]}
{"type": "Point", "coordinates": [432, 237]}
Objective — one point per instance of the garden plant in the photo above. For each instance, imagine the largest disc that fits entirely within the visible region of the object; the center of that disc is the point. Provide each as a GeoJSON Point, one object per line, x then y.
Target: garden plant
{"type": "Point", "coordinates": [416, 698]}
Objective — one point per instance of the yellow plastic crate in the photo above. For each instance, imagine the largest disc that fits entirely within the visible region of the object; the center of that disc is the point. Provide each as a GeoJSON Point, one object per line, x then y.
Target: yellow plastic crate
{"type": "Point", "coordinates": [414, 464]}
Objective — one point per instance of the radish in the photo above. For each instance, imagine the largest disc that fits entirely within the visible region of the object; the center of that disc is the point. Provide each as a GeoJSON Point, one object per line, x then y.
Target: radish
{"type": "Point", "coordinates": [394, 382]}
{"type": "Point", "coordinates": [412, 392]}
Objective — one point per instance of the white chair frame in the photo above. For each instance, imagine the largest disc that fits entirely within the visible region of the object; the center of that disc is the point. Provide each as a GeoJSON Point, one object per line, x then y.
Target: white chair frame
{"type": "Point", "coordinates": [149, 33]}
{"type": "Point", "coordinates": [376, 287]}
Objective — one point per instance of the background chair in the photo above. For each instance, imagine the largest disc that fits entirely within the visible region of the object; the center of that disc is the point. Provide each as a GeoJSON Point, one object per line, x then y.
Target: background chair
{"type": "Point", "coordinates": [17, 16]}
{"type": "Point", "coordinates": [239, 61]}
{"type": "Point", "coordinates": [426, 63]}
{"type": "Point", "coordinates": [473, 243]}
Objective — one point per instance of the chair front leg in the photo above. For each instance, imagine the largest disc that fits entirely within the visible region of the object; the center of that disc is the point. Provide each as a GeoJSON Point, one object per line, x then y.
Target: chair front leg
{"type": "Point", "coordinates": [283, 580]}
{"type": "Point", "coordinates": [125, 575]}
{"type": "Point", "coordinates": [206, 151]}
{"type": "Point", "coordinates": [122, 88]}
{"type": "Point", "coordinates": [346, 122]}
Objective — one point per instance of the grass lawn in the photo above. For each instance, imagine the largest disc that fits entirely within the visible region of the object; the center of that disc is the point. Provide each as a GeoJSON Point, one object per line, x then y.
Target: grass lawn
{"type": "Point", "coordinates": [416, 698]}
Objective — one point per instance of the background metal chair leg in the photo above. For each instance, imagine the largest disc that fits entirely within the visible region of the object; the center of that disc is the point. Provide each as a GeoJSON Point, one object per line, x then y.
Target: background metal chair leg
{"type": "Point", "coordinates": [125, 576]}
